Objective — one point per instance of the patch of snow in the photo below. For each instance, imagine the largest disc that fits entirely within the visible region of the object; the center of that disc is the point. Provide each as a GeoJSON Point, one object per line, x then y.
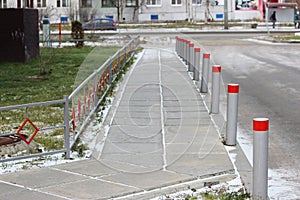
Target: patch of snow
{"type": "Point", "coordinates": [222, 188]}
{"type": "Point", "coordinates": [283, 184]}
{"type": "Point", "coordinates": [35, 163]}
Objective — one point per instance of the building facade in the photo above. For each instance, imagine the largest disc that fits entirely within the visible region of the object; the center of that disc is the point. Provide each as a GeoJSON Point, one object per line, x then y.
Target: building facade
{"type": "Point", "coordinates": [143, 10]}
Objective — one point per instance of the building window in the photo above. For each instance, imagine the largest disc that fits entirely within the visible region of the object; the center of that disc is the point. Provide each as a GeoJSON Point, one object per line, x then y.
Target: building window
{"type": "Point", "coordinates": [61, 3]}
{"type": "Point", "coordinates": [197, 2]}
{"type": "Point", "coordinates": [108, 3]}
{"type": "Point", "coordinates": [44, 4]}
{"type": "Point", "coordinates": [153, 2]}
{"type": "Point", "coordinates": [38, 3]}
{"type": "Point", "coordinates": [176, 2]}
{"type": "Point", "coordinates": [4, 4]}
{"type": "Point", "coordinates": [131, 3]}
{"type": "Point", "coordinates": [86, 3]}
{"type": "Point", "coordinates": [64, 3]}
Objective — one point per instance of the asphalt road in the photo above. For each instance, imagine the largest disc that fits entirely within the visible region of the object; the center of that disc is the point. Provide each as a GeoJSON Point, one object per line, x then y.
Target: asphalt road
{"type": "Point", "coordinates": [268, 74]}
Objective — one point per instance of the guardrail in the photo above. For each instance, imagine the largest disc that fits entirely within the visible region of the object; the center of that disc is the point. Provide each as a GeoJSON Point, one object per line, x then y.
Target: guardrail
{"type": "Point", "coordinates": [78, 107]}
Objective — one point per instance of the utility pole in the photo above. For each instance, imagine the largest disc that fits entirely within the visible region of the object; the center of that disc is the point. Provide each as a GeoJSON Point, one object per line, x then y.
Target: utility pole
{"type": "Point", "coordinates": [191, 11]}
{"type": "Point", "coordinates": [226, 14]}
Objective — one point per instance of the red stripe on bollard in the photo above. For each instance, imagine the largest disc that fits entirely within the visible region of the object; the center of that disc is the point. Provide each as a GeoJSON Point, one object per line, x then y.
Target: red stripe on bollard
{"type": "Point", "coordinates": [216, 68]}
{"type": "Point", "coordinates": [206, 55]}
{"type": "Point", "coordinates": [197, 49]}
{"type": "Point", "coordinates": [191, 45]}
{"type": "Point", "coordinates": [261, 124]}
{"type": "Point", "coordinates": [233, 88]}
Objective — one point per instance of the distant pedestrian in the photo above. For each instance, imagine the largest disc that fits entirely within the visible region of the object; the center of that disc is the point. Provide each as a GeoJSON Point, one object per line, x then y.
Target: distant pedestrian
{"type": "Point", "coordinates": [296, 20]}
{"type": "Point", "coordinates": [273, 18]}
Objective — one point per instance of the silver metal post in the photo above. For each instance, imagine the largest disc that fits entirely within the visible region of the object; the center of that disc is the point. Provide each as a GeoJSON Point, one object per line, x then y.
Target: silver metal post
{"type": "Point", "coordinates": [260, 158]}
{"type": "Point", "coordinates": [187, 49]}
{"type": "Point", "coordinates": [184, 50]}
{"type": "Point", "coordinates": [110, 72]}
{"type": "Point", "coordinates": [232, 114]}
{"type": "Point", "coordinates": [215, 96]}
{"type": "Point", "coordinates": [95, 92]}
{"type": "Point", "coordinates": [191, 57]}
{"type": "Point", "coordinates": [196, 64]}
{"type": "Point", "coordinates": [119, 61]}
{"type": "Point", "coordinates": [67, 128]}
{"type": "Point", "coordinates": [205, 70]}
{"type": "Point", "coordinates": [176, 44]}
{"type": "Point", "coordinates": [180, 47]}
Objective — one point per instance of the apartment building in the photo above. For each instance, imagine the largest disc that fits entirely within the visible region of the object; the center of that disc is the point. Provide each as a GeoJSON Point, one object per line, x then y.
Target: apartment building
{"type": "Point", "coordinates": [143, 10]}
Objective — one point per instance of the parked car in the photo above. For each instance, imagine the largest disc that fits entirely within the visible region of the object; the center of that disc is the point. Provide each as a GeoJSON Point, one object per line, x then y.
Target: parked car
{"type": "Point", "coordinates": [100, 24]}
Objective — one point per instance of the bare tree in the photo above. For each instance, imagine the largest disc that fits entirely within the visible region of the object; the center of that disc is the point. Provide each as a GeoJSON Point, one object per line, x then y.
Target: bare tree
{"type": "Point", "coordinates": [138, 5]}
{"type": "Point", "coordinates": [119, 5]}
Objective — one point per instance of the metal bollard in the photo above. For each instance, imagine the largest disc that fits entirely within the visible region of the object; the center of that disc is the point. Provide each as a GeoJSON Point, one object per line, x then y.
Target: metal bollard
{"type": "Point", "coordinates": [177, 44]}
{"type": "Point", "coordinates": [184, 50]}
{"type": "Point", "coordinates": [187, 53]}
{"type": "Point", "coordinates": [232, 114]}
{"type": "Point", "coordinates": [215, 96]}
{"type": "Point", "coordinates": [191, 57]}
{"type": "Point", "coordinates": [205, 70]}
{"type": "Point", "coordinates": [180, 47]}
{"type": "Point", "coordinates": [196, 64]}
{"type": "Point", "coordinates": [260, 158]}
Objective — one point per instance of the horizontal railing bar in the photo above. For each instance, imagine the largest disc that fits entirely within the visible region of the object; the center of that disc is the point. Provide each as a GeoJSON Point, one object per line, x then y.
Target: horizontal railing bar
{"type": "Point", "coordinates": [61, 101]}
{"type": "Point", "coordinates": [33, 155]}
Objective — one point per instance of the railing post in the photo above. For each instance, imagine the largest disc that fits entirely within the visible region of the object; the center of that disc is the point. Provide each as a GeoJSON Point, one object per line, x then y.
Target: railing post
{"type": "Point", "coordinates": [125, 56]}
{"type": "Point", "coordinates": [110, 71]}
{"type": "Point", "coordinates": [96, 89]}
{"type": "Point", "coordinates": [232, 114]}
{"type": "Point", "coordinates": [67, 128]}
{"type": "Point", "coordinates": [215, 96]}
{"type": "Point", "coordinates": [260, 158]}
{"type": "Point", "coordinates": [119, 62]}
{"type": "Point", "coordinates": [196, 64]}
{"type": "Point", "coordinates": [205, 70]}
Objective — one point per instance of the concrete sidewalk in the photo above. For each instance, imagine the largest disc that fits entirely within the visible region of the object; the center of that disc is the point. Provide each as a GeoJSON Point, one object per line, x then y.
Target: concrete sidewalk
{"type": "Point", "coordinates": [157, 138]}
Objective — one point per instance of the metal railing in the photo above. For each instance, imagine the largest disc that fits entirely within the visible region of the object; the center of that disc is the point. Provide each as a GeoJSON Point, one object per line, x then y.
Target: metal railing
{"type": "Point", "coordinates": [78, 107]}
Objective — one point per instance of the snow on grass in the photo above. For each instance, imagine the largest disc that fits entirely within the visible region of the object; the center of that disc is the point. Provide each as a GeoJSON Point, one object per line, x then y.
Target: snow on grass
{"type": "Point", "coordinates": [226, 189]}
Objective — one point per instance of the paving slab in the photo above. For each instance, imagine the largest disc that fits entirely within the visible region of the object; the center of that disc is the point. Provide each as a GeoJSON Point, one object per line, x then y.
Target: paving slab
{"type": "Point", "coordinates": [91, 189]}
{"type": "Point", "coordinates": [39, 178]}
{"type": "Point", "coordinates": [150, 180]}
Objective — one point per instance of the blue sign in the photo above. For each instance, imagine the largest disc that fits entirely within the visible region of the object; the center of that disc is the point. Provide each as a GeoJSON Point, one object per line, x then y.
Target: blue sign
{"type": "Point", "coordinates": [63, 19]}
{"type": "Point", "coordinates": [154, 17]}
{"type": "Point", "coordinates": [219, 16]}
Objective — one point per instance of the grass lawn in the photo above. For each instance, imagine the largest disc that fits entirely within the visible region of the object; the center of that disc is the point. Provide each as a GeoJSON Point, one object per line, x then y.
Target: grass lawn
{"type": "Point", "coordinates": [24, 83]}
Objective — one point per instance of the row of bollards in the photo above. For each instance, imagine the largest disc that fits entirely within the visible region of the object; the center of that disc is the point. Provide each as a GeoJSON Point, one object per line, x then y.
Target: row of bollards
{"type": "Point", "coordinates": [191, 56]}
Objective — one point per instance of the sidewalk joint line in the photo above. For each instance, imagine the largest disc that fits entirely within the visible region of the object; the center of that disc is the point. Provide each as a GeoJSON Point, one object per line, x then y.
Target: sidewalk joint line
{"type": "Point", "coordinates": [162, 113]}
